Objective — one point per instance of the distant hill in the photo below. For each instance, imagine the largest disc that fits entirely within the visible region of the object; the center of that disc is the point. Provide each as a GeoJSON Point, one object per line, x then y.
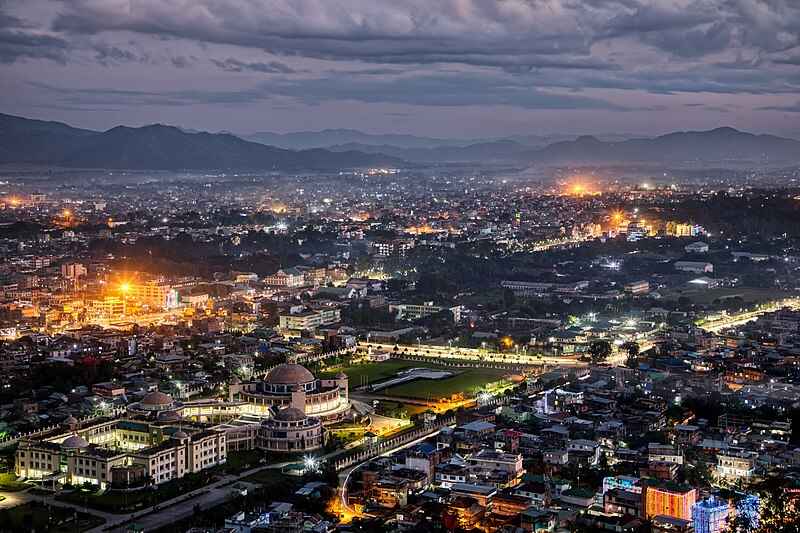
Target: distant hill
{"type": "Point", "coordinates": [332, 137]}
{"type": "Point", "coordinates": [721, 144]}
{"type": "Point", "coordinates": [503, 150]}
{"type": "Point", "coordinates": [717, 145]}
{"type": "Point", "coordinates": [25, 141]}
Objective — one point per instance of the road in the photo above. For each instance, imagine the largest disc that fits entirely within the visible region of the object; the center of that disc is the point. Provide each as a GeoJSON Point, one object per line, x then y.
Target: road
{"type": "Point", "coordinates": [719, 323]}
{"type": "Point", "coordinates": [473, 355]}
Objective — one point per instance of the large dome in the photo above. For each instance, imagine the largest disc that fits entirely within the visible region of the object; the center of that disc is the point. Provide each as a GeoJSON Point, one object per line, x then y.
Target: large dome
{"type": "Point", "coordinates": [74, 442]}
{"type": "Point", "coordinates": [156, 401]}
{"type": "Point", "coordinates": [290, 414]}
{"type": "Point", "coordinates": [288, 374]}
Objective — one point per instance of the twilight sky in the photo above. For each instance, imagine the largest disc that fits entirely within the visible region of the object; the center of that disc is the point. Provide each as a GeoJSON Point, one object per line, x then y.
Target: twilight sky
{"type": "Point", "coordinates": [458, 68]}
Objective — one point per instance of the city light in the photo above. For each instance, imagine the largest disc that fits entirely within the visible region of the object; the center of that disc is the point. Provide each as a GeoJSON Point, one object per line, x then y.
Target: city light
{"type": "Point", "coordinates": [310, 464]}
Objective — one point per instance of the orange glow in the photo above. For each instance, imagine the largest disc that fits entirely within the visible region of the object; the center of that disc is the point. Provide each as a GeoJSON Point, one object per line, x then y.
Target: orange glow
{"type": "Point", "coordinates": [125, 287]}
{"type": "Point", "coordinates": [14, 201]}
{"type": "Point", "coordinates": [617, 217]}
{"type": "Point", "coordinates": [507, 342]}
{"type": "Point", "coordinates": [66, 213]}
{"type": "Point", "coordinates": [578, 189]}
{"type": "Point", "coordinates": [423, 229]}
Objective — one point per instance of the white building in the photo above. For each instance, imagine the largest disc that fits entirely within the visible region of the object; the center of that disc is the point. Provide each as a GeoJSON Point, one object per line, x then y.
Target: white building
{"type": "Point", "coordinates": [697, 267]}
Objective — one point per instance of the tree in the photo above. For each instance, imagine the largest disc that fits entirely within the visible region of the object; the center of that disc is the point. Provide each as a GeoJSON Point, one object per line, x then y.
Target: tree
{"type": "Point", "coordinates": [599, 351]}
{"type": "Point", "coordinates": [632, 348]}
{"type": "Point", "coordinates": [509, 298]}
{"type": "Point", "coordinates": [778, 510]}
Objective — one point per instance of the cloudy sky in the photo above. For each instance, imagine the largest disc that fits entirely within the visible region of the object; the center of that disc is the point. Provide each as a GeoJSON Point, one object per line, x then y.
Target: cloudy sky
{"type": "Point", "coordinates": [461, 68]}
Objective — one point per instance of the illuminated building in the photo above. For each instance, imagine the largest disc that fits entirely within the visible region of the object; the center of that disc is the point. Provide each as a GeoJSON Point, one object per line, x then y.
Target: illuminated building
{"type": "Point", "coordinates": [629, 483]}
{"type": "Point", "coordinates": [151, 293]}
{"type": "Point", "coordinates": [736, 464]}
{"type": "Point", "coordinates": [118, 451]}
{"type": "Point", "coordinates": [710, 515]}
{"type": "Point", "coordinates": [392, 247]}
{"type": "Point", "coordinates": [291, 385]}
{"type": "Point", "coordinates": [290, 430]}
{"type": "Point", "coordinates": [289, 278]}
{"type": "Point", "coordinates": [669, 499]}
{"type": "Point", "coordinates": [310, 320]}
{"type": "Point", "coordinates": [697, 267]}
{"type": "Point", "coordinates": [414, 312]}
{"type": "Point", "coordinates": [638, 287]}
{"type": "Point", "coordinates": [73, 270]}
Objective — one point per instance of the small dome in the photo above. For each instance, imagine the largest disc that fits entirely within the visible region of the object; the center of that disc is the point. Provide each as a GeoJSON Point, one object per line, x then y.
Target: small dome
{"type": "Point", "coordinates": [289, 374]}
{"type": "Point", "coordinates": [234, 380]}
{"type": "Point", "coordinates": [157, 399]}
{"type": "Point", "coordinates": [180, 434]}
{"type": "Point", "coordinates": [74, 442]}
{"type": "Point", "coordinates": [341, 375]}
{"type": "Point", "coordinates": [169, 415]}
{"type": "Point", "coordinates": [290, 414]}
{"type": "Point", "coordinates": [70, 421]}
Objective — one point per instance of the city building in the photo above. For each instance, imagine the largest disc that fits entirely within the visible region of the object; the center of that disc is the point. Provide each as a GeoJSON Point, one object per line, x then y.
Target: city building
{"type": "Point", "coordinates": [292, 385]}
{"type": "Point", "coordinates": [119, 452]}
{"type": "Point", "coordinates": [669, 499]}
{"type": "Point", "coordinates": [290, 430]}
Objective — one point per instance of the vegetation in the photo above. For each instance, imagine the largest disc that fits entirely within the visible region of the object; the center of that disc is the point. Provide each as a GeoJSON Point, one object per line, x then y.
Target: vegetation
{"type": "Point", "coordinates": [36, 516]}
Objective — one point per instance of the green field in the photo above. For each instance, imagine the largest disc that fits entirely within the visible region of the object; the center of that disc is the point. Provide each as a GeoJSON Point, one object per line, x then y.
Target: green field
{"type": "Point", "coordinates": [9, 483]}
{"type": "Point", "coordinates": [466, 380]}
{"type": "Point", "coordinates": [35, 516]}
{"type": "Point", "coordinates": [469, 381]}
{"type": "Point", "coordinates": [365, 373]}
{"type": "Point", "coordinates": [749, 295]}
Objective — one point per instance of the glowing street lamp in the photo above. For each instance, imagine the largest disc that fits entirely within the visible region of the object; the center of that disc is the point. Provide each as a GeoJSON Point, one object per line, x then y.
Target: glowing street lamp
{"type": "Point", "coordinates": [310, 464]}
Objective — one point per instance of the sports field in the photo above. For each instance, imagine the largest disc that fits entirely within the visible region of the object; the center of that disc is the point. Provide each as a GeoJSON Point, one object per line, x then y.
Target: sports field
{"type": "Point", "coordinates": [466, 380]}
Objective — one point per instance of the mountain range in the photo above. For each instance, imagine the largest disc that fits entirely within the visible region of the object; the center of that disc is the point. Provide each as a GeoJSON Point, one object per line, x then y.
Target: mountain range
{"type": "Point", "coordinates": [717, 145]}
{"type": "Point", "coordinates": [160, 147]}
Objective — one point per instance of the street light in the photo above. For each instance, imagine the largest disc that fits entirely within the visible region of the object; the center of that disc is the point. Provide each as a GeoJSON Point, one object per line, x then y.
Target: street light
{"type": "Point", "coordinates": [310, 464]}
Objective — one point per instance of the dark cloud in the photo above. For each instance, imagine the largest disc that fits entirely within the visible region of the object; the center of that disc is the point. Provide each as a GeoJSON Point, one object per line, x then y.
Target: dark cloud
{"type": "Point", "coordinates": [234, 65]}
{"type": "Point", "coordinates": [107, 54]}
{"type": "Point", "coordinates": [783, 108]}
{"type": "Point", "coordinates": [429, 90]}
{"type": "Point", "coordinates": [182, 61]}
{"type": "Point", "coordinates": [20, 39]}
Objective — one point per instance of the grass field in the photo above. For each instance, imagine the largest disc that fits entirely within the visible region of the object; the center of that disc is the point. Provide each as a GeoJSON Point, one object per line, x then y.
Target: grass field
{"type": "Point", "coordinates": [36, 516]}
{"type": "Point", "coordinates": [748, 294]}
{"type": "Point", "coordinates": [469, 381]}
{"type": "Point", "coordinates": [364, 373]}
{"type": "Point", "coordinates": [9, 483]}
{"type": "Point", "coordinates": [466, 380]}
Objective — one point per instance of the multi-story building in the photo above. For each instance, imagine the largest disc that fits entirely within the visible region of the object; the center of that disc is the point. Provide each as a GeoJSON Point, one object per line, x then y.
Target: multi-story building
{"type": "Point", "coordinates": [487, 462]}
{"type": "Point", "coordinates": [290, 430]}
{"type": "Point", "coordinates": [710, 515]}
{"type": "Point", "coordinates": [73, 270]}
{"type": "Point", "coordinates": [392, 247]}
{"type": "Point", "coordinates": [669, 499]}
{"type": "Point", "coordinates": [288, 278]}
{"type": "Point", "coordinates": [736, 464]}
{"type": "Point", "coordinates": [120, 450]}
{"type": "Point", "coordinates": [417, 311]}
{"type": "Point", "coordinates": [311, 319]}
{"type": "Point", "coordinates": [291, 385]}
{"type": "Point", "coordinates": [638, 287]}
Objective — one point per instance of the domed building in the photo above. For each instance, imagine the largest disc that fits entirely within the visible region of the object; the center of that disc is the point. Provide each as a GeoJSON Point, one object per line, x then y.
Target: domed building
{"type": "Point", "coordinates": [291, 385]}
{"type": "Point", "coordinates": [157, 401]}
{"type": "Point", "coordinates": [290, 430]}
